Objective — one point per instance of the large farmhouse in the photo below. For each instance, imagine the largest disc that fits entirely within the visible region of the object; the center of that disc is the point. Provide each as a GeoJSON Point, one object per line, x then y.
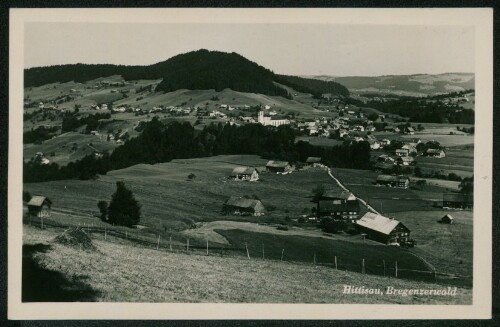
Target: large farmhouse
{"type": "Point", "coordinates": [313, 161]}
{"type": "Point", "coordinates": [39, 206]}
{"type": "Point", "coordinates": [245, 174]}
{"type": "Point", "coordinates": [393, 181]}
{"type": "Point", "coordinates": [457, 200]}
{"type": "Point", "coordinates": [338, 205]}
{"type": "Point", "coordinates": [244, 206]}
{"type": "Point", "coordinates": [274, 166]}
{"type": "Point", "coordinates": [383, 229]}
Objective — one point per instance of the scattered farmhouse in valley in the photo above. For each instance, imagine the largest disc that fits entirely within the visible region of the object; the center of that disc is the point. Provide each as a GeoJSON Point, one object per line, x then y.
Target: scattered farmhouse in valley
{"type": "Point", "coordinates": [244, 206]}
{"type": "Point", "coordinates": [383, 229]}
{"type": "Point", "coordinates": [245, 174]}
{"type": "Point", "coordinates": [458, 201]}
{"type": "Point", "coordinates": [39, 206]}
{"type": "Point", "coordinates": [405, 161]}
{"type": "Point", "coordinates": [447, 219]}
{"type": "Point", "coordinates": [274, 166]}
{"type": "Point", "coordinates": [338, 205]}
{"type": "Point", "coordinates": [436, 153]}
{"type": "Point", "coordinates": [314, 161]}
{"type": "Point", "coordinates": [393, 181]}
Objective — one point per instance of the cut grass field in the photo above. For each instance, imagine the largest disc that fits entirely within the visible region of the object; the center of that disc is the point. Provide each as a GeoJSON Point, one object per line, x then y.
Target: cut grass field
{"type": "Point", "coordinates": [147, 275]}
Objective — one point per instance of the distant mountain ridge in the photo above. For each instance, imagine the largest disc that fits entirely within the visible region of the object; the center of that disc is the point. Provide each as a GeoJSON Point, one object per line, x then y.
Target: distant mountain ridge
{"type": "Point", "coordinates": [415, 84]}
{"type": "Point", "coordinates": [201, 69]}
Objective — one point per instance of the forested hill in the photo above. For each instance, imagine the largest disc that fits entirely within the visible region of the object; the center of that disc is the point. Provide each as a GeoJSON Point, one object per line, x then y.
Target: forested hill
{"type": "Point", "coordinates": [200, 70]}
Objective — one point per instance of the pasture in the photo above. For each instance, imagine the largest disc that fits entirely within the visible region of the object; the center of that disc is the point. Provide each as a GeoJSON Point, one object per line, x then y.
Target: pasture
{"type": "Point", "coordinates": [146, 275]}
{"type": "Point", "coordinates": [447, 247]}
{"type": "Point", "coordinates": [170, 200]}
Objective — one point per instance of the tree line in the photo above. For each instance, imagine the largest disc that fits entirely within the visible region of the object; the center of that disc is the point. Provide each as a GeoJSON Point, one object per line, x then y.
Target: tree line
{"type": "Point", "coordinates": [420, 110]}
{"type": "Point", "coordinates": [196, 70]}
{"type": "Point", "coordinates": [162, 143]}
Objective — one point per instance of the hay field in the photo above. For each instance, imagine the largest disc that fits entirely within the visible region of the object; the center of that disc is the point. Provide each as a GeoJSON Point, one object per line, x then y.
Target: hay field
{"type": "Point", "coordinates": [146, 275]}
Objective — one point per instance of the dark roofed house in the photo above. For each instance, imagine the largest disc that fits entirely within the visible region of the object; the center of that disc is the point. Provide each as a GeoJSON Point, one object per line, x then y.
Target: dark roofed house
{"type": "Point", "coordinates": [458, 200]}
{"type": "Point", "coordinates": [278, 166]}
{"type": "Point", "coordinates": [244, 206]}
{"type": "Point", "coordinates": [436, 153]}
{"type": "Point", "coordinates": [337, 209]}
{"type": "Point", "coordinates": [383, 229]}
{"type": "Point", "coordinates": [393, 181]}
{"type": "Point", "coordinates": [245, 174]}
{"type": "Point", "coordinates": [39, 206]}
{"type": "Point", "coordinates": [313, 161]}
{"type": "Point", "coordinates": [338, 195]}
{"type": "Point", "coordinates": [447, 219]}
{"type": "Point", "coordinates": [402, 152]}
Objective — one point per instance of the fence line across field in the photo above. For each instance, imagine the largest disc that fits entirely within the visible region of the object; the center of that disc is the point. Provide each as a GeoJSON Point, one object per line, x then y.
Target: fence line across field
{"type": "Point", "coordinates": [155, 243]}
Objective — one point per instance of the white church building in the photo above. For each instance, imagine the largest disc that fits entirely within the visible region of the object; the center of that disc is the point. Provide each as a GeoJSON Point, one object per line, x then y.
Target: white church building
{"type": "Point", "coordinates": [271, 121]}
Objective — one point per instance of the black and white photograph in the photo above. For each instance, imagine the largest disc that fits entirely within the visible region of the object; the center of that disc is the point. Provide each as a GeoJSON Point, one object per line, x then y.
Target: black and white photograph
{"type": "Point", "coordinates": [271, 163]}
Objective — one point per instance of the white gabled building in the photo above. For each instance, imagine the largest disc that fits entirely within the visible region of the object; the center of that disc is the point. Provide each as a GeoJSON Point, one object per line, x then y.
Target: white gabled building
{"type": "Point", "coordinates": [268, 121]}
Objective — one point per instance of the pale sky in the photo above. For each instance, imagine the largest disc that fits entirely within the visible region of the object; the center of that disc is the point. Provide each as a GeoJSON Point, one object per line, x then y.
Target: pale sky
{"type": "Point", "coordinates": [293, 49]}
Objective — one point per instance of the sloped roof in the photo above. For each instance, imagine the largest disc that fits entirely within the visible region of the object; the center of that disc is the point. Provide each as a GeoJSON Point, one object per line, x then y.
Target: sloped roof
{"type": "Point", "coordinates": [434, 151]}
{"type": "Point", "coordinates": [240, 202]}
{"type": "Point", "coordinates": [277, 164]}
{"type": "Point", "coordinates": [313, 160]}
{"type": "Point", "coordinates": [327, 206]}
{"type": "Point", "coordinates": [409, 159]}
{"type": "Point", "coordinates": [448, 216]}
{"type": "Point", "coordinates": [243, 170]}
{"type": "Point", "coordinates": [37, 201]}
{"type": "Point", "coordinates": [457, 197]}
{"type": "Point", "coordinates": [378, 223]}
{"type": "Point", "coordinates": [337, 194]}
{"type": "Point", "coordinates": [391, 178]}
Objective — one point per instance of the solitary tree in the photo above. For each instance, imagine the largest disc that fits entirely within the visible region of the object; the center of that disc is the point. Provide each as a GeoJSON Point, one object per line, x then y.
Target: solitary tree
{"type": "Point", "coordinates": [103, 208]}
{"type": "Point", "coordinates": [123, 208]}
{"type": "Point", "coordinates": [318, 192]}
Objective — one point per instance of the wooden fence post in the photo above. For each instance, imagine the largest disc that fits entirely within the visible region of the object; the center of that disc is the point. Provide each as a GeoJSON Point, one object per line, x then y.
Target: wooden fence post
{"type": "Point", "coordinates": [363, 266]}
{"type": "Point", "coordinates": [158, 244]}
{"type": "Point", "coordinates": [282, 252]}
{"type": "Point", "coordinates": [396, 266]}
{"type": "Point", "coordinates": [335, 262]}
{"type": "Point", "coordinates": [41, 222]}
{"type": "Point", "coordinates": [435, 275]}
{"type": "Point", "coordinates": [170, 243]}
{"type": "Point", "coordinates": [248, 254]}
{"type": "Point", "coordinates": [207, 246]}
{"type": "Point", "coordinates": [105, 233]}
{"type": "Point", "coordinates": [262, 251]}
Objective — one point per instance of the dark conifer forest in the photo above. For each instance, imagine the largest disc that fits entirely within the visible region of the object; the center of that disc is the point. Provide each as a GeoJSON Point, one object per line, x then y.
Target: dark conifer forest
{"type": "Point", "coordinates": [162, 143]}
{"type": "Point", "coordinates": [197, 70]}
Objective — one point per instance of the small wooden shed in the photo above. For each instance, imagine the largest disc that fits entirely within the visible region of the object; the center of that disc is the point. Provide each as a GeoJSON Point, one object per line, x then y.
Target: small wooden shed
{"type": "Point", "coordinates": [39, 206]}
{"type": "Point", "coordinates": [447, 219]}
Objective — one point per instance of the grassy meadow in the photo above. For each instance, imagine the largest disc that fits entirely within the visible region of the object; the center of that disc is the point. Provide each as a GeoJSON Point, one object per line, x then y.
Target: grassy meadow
{"type": "Point", "coordinates": [146, 275]}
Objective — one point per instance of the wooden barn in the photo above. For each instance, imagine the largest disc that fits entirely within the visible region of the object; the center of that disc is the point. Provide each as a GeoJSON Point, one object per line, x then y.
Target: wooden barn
{"type": "Point", "coordinates": [345, 210]}
{"type": "Point", "coordinates": [383, 229]}
{"type": "Point", "coordinates": [244, 206]}
{"type": "Point", "coordinates": [458, 201]}
{"type": "Point", "coordinates": [436, 153]}
{"type": "Point", "coordinates": [447, 219]}
{"type": "Point", "coordinates": [393, 181]}
{"type": "Point", "coordinates": [245, 174]}
{"type": "Point", "coordinates": [313, 161]}
{"type": "Point", "coordinates": [39, 206]}
{"type": "Point", "coordinates": [274, 166]}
